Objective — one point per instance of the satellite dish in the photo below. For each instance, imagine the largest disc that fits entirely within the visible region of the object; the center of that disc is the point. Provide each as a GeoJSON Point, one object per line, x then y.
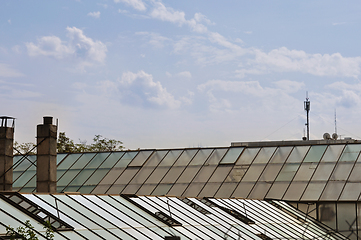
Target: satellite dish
{"type": "Point", "coordinates": [326, 136]}
{"type": "Point", "coordinates": [334, 136]}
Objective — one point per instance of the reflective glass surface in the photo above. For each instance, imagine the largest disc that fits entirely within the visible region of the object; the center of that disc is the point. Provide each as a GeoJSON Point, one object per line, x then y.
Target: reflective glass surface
{"type": "Point", "coordinates": [350, 153]}
{"type": "Point", "coordinates": [315, 153]}
{"type": "Point", "coordinates": [140, 159]}
{"type": "Point", "coordinates": [247, 156]}
{"type": "Point", "coordinates": [332, 153]}
{"type": "Point", "coordinates": [201, 157]}
{"type": "Point", "coordinates": [185, 158]}
{"type": "Point", "coordinates": [264, 155]}
{"type": "Point", "coordinates": [281, 155]}
{"type": "Point", "coordinates": [232, 155]}
{"type": "Point", "coordinates": [216, 156]}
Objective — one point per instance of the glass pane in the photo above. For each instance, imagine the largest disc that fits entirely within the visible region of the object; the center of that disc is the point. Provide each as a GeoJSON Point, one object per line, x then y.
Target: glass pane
{"type": "Point", "coordinates": [270, 172]}
{"type": "Point", "coordinates": [332, 153]}
{"type": "Point", "coordinates": [142, 175]}
{"type": "Point", "coordinates": [220, 174]}
{"type": "Point", "coordinates": [259, 191]}
{"type": "Point", "coordinates": [332, 191]}
{"type": "Point", "coordinates": [209, 190]}
{"type": "Point", "coordinates": [161, 189]}
{"type": "Point", "coordinates": [346, 216]}
{"type": "Point", "coordinates": [355, 175]}
{"type": "Point", "coordinates": [243, 190]}
{"type": "Point", "coordinates": [112, 160]}
{"type": "Point", "coordinates": [216, 156]}
{"type": "Point", "coordinates": [237, 173]}
{"type": "Point", "coordinates": [131, 188]}
{"type": "Point", "coordinates": [140, 159]}
{"type": "Point", "coordinates": [315, 153]}
{"type": "Point", "coordinates": [82, 161]}
{"type": "Point", "coordinates": [97, 160]}
{"type": "Point", "coordinates": [295, 191]}
{"type": "Point", "coordinates": [342, 171]}
{"type": "Point", "coordinates": [67, 177]}
{"type": "Point", "coordinates": [253, 173]}
{"type": "Point", "coordinates": [97, 177]}
{"type": "Point", "coordinates": [226, 190]}
{"type": "Point", "coordinates": [25, 163]}
{"type": "Point", "coordinates": [82, 177]}
{"type": "Point", "coordinates": [127, 175]}
{"type": "Point", "coordinates": [204, 174]}
{"type": "Point", "coordinates": [232, 155]}
{"type": "Point", "coordinates": [201, 157]}
{"type": "Point", "coordinates": [351, 192]}
{"type": "Point", "coordinates": [24, 178]}
{"type": "Point", "coordinates": [264, 155]}
{"type": "Point", "coordinates": [170, 158]}
{"type": "Point", "coordinates": [177, 189]}
{"type": "Point", "coordinates": [188, 174]}
{"type": "Point", "coordinates": [185, 158]}
{"type": "Point", "coordinates": [172, 175]}
{"type": "Point", "coordinates": [288, 171]}
{"type": "Point", "coordinates": [327, 214]}
{"type": "Point", "coordinates": [146, 189]}
{"type": "Point", "coordinates": [281, 155]}
{"type": "Point", "coordinates": [59, 157]}
{"type": "Point", "coordinates": [313, 191]}
{"type": "Point", "coordinates": [297, 154]}
{"type": "Point", "coordinates": [305, 171]}
{"type": "Point", "coordinates": [247, 156]}
{"type": "Point", "coordinates": [323, 171]}
{"type": "Point", "coordinates": [126, 158]}
{"type": "Point", "coordinates": [350, 153]}
{"type": "Point", "coordinates": [157, 175]}
{"type": "Point", "coordinates": [156, 158]}
{"type": "Point", "coordinates": [277, 190]}
{"type": "Point", "coordinates": [112, 175]}
{"type": "Point", "coordinates": [193, 189]}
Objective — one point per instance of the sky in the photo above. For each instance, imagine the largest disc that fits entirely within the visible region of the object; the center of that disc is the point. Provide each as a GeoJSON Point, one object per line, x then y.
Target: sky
{"type": "Point", "coordinates": [168, 74]}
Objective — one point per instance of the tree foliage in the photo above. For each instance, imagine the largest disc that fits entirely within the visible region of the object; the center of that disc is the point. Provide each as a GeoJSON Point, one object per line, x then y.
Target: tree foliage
{"type": "Point", "coordinates": [100, 144]}
{"type": "Point", "coordinates": [27, 232]}
{"type": "Point", "coordinates": [24, 148]}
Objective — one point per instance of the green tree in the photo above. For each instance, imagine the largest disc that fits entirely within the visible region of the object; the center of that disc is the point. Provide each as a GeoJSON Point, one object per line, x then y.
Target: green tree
{"type": "Point", "coordinates": [24, 148]}
{"type": "Point", "coordinates": [27, 232]}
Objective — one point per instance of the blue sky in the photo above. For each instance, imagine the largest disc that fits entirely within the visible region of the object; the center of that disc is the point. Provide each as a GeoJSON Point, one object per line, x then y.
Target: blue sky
{"type": "Point", "coordinates": [162, 74]}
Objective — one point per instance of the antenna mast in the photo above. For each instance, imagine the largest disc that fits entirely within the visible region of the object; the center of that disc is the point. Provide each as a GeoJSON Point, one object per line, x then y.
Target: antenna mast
{"type": "Point", "coordinates": [335, 122]}
{"type": "Point", "coordinates": [307, 106]}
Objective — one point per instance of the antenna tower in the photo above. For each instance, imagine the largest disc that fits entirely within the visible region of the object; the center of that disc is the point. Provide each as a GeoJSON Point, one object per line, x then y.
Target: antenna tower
{"type": "Point", "coordinates": [307, 106]}
{"type": "Point", "coordinates": [335, 122]}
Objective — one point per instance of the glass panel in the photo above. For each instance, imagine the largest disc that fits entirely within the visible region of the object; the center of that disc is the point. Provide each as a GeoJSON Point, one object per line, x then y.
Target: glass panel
{"type": "Point", "coordinates": [185, 158]}
{"type": "Point", "coordinates": [259, 191]}
{"type": "Point", "coordinates": [305, 172]}
{"type": "Point", "coordinates": [131, 188]}
{"type": "Point", "coordinates": [332, 191]}
{"type": "Point", "coordinates": [351, 192]}
{"type": "Point", "coordinates": [350, 153]}
{"type": "Point", "coordinates": [332, 153]}
{"type": "Point", "coordinates": [327, 214]}
{"type": "Point", "coordinates": [232, 155]}
{"type": "Point", "coordinates": [127, 175]}
{"type": "Point", "coordinates": [288, 172]}
{"type": "Point", "coordinates": [177, 189]}
{"type": "Point", "coordinates": [323, 171]}
{"type": "Point", "coordinates": [82, 161]}
{"type": "Point", "coordinates": [24, 178]}
{"type": "Point", "coordinates": [140, 159]}
{"type": "Point", "coordinates": [97, 177]}
{"type": "Point", "coordinates": [315, 153]}
{"type": "Point", "coordinates": [142, 175]}
{"type": "Point", "coordinates": [253, 173]}
{"type": "Point", "coordinates": [216, 156]}
{"type": "Point", "coordinates": [204, 174]}
{"type": "Point", "coordinates": [188, 174]}
{"type": "Point", "coordinates": [156, 158]}
{"type": "Point", "coordinates": [97, 160]}
{"type": "Point", "coordinates": [220, 174]}
{"type": "Point", "coordinates": [146, 189]}
{"type": "Point", "coordinates": [112, 160]}
{"type": "Point", "coordinates": [270, 172]}
{"type": "Point", "coordinates": [116, 189]}
{"type": "Point", "coordinates": [157, 175]}
{"type": "Point", "coordinates": [59, 157]}
{"type": "Point", "coordinates": [67, 177]}
{"type": "Point", "coordinates": [209, 190]}
{"type": "Point", "coordinates": [247, 156]}
{"type": "Point", "coordinates": [346, 216]}
{"type": "Point", "coordinates": [342, 171]}
{"type": "Point", "coordinates": [172, 175]}
{"type": "Point", "coordinates": [170, 158]}
{"type": "Point", "coordinates": [126, 158]}
{"type": "Point", "coordinates": [82, 177]}
{"type": "Point", "coordinates": [25, 163]}
{"type": "Point", "coordinates": [264, 155]}
{"type": "Point", "coordinates": [226, 190]}
{"type": "Point", "coordinates": [237, 173]}
{"type": "Point", "coordinates": [313, 191]}
{"type": "Point", "coordinates": [277, 190]}
{"type": "Point", "coordinates": [201, 157]}
{"type": "Point", "coordinates": [112, 175]}
{"type": "Point", "coordinates": [193, 189]}
{"type": "Point", "coordinates": [242, 190]}
{"type": "Point", "coordinates": [355, 175]}
{"type": "Point", "coordinates": [86, 189]}
{"type": "Point", "coordinates": [281, 155]}
{"type": "Point", "coordinates": [162, 189]}
{"type": "Point", "coordinates": [295, 191]}
{"type": "Point", "coordinates": [297, 154]}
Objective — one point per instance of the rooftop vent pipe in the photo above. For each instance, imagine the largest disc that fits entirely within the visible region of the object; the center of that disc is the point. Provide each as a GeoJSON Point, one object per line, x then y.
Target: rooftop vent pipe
{"type": "Point", "coordinates": [46, 156]}
{"type": "Point", "coordinates": [6, 152]}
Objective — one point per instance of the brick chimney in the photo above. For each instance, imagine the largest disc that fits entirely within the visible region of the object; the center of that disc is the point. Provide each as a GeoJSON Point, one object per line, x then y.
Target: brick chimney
{"type": "Point", "coordinates": [6, 153]}
{"type": "Point", "coordinates": [46, 156]}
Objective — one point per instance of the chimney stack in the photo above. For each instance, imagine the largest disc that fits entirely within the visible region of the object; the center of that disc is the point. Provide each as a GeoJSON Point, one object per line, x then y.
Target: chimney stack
{"type": "Point", "coordinates": [6, 153]}
{"type": "Point", "coordinates": [46, 156]}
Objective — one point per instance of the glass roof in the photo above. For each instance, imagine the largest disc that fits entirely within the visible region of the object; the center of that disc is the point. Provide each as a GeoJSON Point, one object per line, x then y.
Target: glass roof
{"type": "Point", "coordinates": [290, 173]}
{"type": "Point", "coordinates": [132, 217]}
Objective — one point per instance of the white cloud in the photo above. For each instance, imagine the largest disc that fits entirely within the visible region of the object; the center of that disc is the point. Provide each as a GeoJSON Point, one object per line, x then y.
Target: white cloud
{"type": "Point", "coordinates": [185, 74]}
{"type": "Point", "coordinates": [155, 39]}
{"type": "Point", "coordinates": [289, 86]}
{"type": "Point", "coordinates": [94, 14]}
{"type": "Point", "coordinates": [78, 46]}
{"type": "Point", "coordinates": [7, 71]}
{"type": "Point", "coordinates": [16, 49]}
{"type": "Point", "coordinates": [141, 86]}
{"type": "Point", "coordinates": [136, 4]}
{"type": "Point", "coordinates": [9, 21]}
{"type": "Point", "coordinates": [285, 60]}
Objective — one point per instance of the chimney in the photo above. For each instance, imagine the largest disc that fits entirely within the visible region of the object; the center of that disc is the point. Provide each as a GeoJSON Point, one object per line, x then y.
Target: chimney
{"type": "Point", "coordinates": [6, 153]}
{"type": "Point", "coordinates": [46, 156]}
